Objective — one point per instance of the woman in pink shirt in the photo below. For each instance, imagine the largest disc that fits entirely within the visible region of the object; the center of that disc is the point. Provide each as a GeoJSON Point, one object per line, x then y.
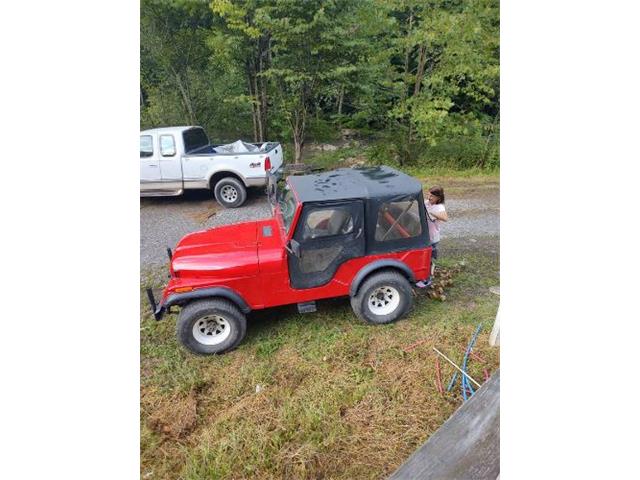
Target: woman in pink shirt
{"type": "Point", "coordinates": [436, 214]}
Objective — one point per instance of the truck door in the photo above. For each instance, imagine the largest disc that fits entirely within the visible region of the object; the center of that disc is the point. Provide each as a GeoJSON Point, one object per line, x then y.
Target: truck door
{"type": "Point", "coordinates": [170, 163]}
{"type": "Point", "coordinates": [326, 236]}
{"type": "Point", "coordinates": [150, 177]}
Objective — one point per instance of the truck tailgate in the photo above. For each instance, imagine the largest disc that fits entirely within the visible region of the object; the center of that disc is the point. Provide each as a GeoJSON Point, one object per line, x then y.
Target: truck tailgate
{"type": "Point", "coordinates": [276, 156]}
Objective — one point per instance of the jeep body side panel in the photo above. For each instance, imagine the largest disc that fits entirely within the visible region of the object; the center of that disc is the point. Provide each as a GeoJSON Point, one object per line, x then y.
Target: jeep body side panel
{"type": "Point", "coordinates": [278, 291]}
{"type": "Point", "coordinates": [266, 283]}
{"type": "Point", "coordinates": [272, 287]}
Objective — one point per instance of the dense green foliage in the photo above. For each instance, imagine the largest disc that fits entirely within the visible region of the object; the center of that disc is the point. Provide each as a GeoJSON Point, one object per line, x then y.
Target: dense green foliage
{"type": "Point", "coordinates": [417, 80]}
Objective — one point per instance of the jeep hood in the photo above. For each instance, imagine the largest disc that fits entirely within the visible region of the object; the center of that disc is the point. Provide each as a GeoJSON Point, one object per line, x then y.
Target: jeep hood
{"type": "Point", "coordinates": [221, 252]}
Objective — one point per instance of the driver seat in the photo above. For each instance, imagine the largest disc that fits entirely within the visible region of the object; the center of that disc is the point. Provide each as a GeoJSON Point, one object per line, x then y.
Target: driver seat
{"type": "Point", "coordinates": [340, 222]}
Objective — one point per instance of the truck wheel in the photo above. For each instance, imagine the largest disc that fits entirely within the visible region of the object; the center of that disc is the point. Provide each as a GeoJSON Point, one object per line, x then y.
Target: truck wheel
{"type": "Point", "coordinates": [383, 298]}
{"type": "Point", "coordinates": [211, 326]}
{"type": "Point", "coordinates": [230, 192]}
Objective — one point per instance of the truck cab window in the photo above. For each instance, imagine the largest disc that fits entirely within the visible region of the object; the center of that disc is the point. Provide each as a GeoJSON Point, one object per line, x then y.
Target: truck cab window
{"type": "Point", "coordinates": [194, 139]}
{"type": "Point", "coordinates": [167, 145]}
{"type": "Point", "coordinates": [146, 146]}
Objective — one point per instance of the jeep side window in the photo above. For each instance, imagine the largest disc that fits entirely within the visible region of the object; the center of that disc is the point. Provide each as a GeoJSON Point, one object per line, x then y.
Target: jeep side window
{"type": "Point", "coordinates": [167, 146]}
{"type": "Point", "coordinates": [323, 223]}
{"type": "Point", "coordinates": [146, 146]}
{"type": "Point", "coordinates": [397, 220]}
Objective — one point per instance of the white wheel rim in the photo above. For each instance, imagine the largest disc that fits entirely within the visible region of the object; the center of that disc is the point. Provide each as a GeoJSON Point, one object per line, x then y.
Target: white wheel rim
{"type": "Point", "coordinates": [229, 193]}
{"type": "Point", "coordinates": [384, 300]}
{"type": "Point", "coordinates": [211, 330]}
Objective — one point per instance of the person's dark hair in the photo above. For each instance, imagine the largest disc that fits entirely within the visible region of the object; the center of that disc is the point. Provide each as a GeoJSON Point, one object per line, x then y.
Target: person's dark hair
{"type": "Point", "coordinates": [438, 192]}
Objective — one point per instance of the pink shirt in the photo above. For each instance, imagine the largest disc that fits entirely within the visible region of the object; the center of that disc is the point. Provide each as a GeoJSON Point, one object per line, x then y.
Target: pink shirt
{"type": "Point", "coordinates": [434, 227]}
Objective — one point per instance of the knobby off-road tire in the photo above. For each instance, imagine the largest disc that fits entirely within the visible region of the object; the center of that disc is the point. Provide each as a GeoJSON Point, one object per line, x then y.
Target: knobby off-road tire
{"type": "Point", "coordinates": [230, 192]}
{"type": "Point", "coordinates": [383, 298]}
{"type": "Point", "coordinates": [206, 327]}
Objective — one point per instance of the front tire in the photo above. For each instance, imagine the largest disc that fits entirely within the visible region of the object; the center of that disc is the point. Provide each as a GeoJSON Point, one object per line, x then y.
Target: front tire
{"type": "Point", "coordinates": [230, 192]}
{"type": "Point", "coordinates": [383, 298]}
{"type": "Point", "coordinates": [207, 327]}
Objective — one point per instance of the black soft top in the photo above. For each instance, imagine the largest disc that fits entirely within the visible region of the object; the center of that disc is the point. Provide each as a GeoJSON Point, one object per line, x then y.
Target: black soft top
{"type": "Point", "coordinates": [345, 183]}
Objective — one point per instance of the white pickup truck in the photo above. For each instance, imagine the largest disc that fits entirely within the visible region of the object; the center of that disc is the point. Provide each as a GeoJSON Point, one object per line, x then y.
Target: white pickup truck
{"type": "Point", "coordinates": [174, 159]}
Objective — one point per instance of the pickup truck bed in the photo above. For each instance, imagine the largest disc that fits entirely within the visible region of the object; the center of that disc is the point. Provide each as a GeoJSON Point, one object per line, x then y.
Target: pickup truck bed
{"type": "Point", "coordinates": [174, 159]}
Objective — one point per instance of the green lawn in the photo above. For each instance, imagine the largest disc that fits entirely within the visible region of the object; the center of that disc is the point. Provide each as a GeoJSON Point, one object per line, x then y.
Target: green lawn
{"type": "Point", "coordinates": [337, 398]}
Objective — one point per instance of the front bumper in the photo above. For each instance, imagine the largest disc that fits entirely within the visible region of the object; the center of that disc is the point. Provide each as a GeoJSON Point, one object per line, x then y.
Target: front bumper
{"type": "Point", "coordinates": [157, 310]}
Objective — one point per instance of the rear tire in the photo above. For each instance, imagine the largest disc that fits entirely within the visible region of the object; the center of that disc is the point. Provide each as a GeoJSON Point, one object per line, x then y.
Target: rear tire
{"type": "Point", "coordinates": [230, 192]}
{"type": "Point", "coordinates": [207, 327]}
{"type": "Point", "coordinates": [383, 298]}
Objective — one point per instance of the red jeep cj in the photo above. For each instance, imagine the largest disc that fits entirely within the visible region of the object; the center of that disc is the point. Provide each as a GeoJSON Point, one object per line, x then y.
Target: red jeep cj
{"type": "Point", "coordinates": [355, 232]}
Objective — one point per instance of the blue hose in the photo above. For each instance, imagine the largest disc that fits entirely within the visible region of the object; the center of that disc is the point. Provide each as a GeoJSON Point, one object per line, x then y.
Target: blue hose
{"type": "Point", "coordinates": [465, 384]}
{"type": "Point", "coordinates": [452, 381]}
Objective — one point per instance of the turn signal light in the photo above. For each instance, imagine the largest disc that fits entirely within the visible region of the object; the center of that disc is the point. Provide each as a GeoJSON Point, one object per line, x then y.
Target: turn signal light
{"type": "Point", "coordinates": [183, 289]}
{"type": "Point", "coordinates": [267, 164]}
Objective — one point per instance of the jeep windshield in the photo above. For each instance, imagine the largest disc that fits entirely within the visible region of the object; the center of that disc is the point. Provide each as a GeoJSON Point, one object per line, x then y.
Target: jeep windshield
{"type": "Point", "coordinates": [287, 203]}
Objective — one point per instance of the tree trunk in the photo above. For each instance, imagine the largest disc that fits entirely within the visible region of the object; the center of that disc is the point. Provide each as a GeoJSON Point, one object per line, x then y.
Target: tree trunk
{"type": "Point", "coordinates": [184, 107]}
{"type": "Point", "coordinates": [297, 150]}
{"type": "Point", "coordinates": [298, 142]}
{"type": "Point", "coordinates": [263, 109]}
{"type": "Point", "coordinates": [254, 113]}
{"type": "Point", "coordinates": [420, 72]}
{"type": "Point", "coordinates": [259, 108]}
{"type": "Point", "coordinates": [298, 126]}
{"type": "Point", "coordinates": [340, 99]}
{"type": "Point", "coordinates": [263, 65]}
{"type": "Point", "coordinates": [257, 93]}
{"type": "Point", "coordinates": [405, 153]}
{"type": "Point", "coordinates": [185, 98]}
{"type": "Point", "coordinates": [407, 55]}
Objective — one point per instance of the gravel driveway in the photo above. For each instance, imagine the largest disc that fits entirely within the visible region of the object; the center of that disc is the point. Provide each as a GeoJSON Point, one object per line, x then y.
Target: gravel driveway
{"type": "Point", "coordinates": [473, 207]}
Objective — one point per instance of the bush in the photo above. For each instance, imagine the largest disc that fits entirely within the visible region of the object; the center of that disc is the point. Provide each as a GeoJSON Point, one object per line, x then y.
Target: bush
{"type": "Point", "coordinates": [458, 153]}
{"type": "Point", "coordinates": [383, 153]}
{"type": "Point", "coordinates": [322, 131]}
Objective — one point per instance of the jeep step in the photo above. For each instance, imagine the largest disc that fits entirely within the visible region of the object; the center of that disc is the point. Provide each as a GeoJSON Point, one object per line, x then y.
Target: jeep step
{"type": "Point", "coordinates": [307, 307]}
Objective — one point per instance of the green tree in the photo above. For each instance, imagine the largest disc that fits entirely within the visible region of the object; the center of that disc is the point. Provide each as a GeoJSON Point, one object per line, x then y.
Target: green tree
{"type": "Point", "coordinates": [317, 48]}
{"type": "Point", "coordinates": [172, 35]}
{"type": "Point", "coordinates": [451, 71]}
{"type": "Point", "coordinates": [245, 41]}
{"type": "Point", "coordinates": [421, 75]}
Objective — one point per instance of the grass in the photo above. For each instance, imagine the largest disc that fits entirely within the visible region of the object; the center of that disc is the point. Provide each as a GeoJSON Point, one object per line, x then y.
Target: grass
{"type": "Point", "coordinates": [337, 398]}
